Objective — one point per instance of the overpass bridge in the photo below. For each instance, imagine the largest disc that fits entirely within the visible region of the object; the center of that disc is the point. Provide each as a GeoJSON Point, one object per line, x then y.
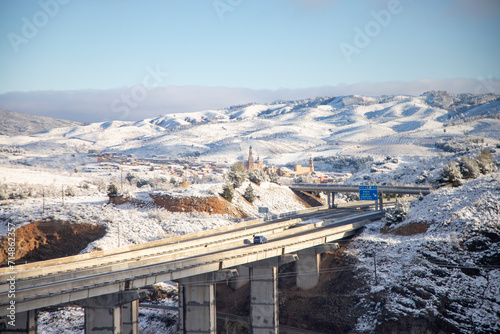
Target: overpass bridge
{"type": "Point", "coordinates": [332, 189]}
{"type": "Point", "coordinates": [108, 283]}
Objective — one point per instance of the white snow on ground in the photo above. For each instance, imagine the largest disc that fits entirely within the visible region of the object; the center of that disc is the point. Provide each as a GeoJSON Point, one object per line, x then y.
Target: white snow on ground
{"type": "Point", "coordinates": [409, 261]}
{"type": "Point", "coordinates": [39, 176]}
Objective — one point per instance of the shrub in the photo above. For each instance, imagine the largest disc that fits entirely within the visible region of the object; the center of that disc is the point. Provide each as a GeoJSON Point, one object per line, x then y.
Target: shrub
{"type": "Point", "coordinates": [130, 177]}
{"type": "Point", "coordinates": [469, 168]}
{"type": "Point", "coordinates": [485, 161]}
{"type": "Point", "coordinates": [228, 192]}
{"type": "Point", "coordinates": [452, 174]}
{"type": "Point", "coordinates": [249, 194]}
{"type": "Point", "coordinates": [112, 190]}
{"type": "Point", "coordinates": [257, 176]}
{"type": "Point", "coordinates": [69, 191]}
{"type": "Point", "coordinates": [398, 213]}
{"type": "Point", "coordinates": [237, 175]}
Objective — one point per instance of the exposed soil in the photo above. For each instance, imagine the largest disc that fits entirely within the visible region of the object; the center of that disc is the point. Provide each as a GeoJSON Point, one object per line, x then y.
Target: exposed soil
{"type": "Point", "coordinates": [211, 205]}
{"type": "Point", "coordinates": [50, 239]}
{"type": "Point", "coordinates": [408, 229]}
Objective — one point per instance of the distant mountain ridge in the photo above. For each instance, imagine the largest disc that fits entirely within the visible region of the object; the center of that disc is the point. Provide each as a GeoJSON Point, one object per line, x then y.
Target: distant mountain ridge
{"type": "Point", "coordinates": [291, 131]}
{"type": "Point", "coordinates": [15, 123]}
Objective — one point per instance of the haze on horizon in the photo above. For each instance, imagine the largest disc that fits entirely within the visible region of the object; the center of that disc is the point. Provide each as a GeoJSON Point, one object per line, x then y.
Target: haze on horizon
{"type": "Point", "coordinates": [93, 61]}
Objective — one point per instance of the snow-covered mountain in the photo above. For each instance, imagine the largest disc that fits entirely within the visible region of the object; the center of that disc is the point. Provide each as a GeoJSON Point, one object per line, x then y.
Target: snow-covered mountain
{"type": "Point", "coordinates": [16, 123]}
{"type": "Point", "coordinates": [283, 132]}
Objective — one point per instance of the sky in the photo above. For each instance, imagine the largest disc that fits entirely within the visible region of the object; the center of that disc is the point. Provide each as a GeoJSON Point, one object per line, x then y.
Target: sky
{"type": "Point", "coordinates": [93, 60]}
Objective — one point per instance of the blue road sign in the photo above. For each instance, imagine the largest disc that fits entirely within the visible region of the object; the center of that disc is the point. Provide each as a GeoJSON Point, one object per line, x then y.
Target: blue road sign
{"type": "Point", "coordinates": [368, 193]}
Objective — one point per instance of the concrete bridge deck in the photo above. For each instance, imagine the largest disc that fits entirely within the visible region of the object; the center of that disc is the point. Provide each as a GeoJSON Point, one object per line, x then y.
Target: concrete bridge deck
{"type": "Point", "coordinates": [75, 279]}
{"type": "Point", "coordinates": [337, 188]}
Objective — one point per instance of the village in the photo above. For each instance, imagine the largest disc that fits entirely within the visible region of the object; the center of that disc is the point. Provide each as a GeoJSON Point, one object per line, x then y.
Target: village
{"type": "Point", "coordinates": [196, 170]}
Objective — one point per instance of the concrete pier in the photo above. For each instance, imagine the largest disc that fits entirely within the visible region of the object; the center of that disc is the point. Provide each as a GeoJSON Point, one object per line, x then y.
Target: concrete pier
{"type": "Point", "coordinates": [115, 313]}
{"type": "Point", "coordinates": [197, 311]}
{"type": "Point", "coordinates": [307, 266]}
{"type": "Point", "coordinates": [25, 322]}
{"type": "Point", "coordinates": [264, 300]}
{"type": "Point", "coordinates": [242, 278]}
{"type": "Point", "coordinates": [264, 315]}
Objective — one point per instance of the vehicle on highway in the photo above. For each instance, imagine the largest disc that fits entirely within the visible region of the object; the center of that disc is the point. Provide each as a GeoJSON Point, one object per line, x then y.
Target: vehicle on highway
{"type": "Point", "coordinates": [259, 239]}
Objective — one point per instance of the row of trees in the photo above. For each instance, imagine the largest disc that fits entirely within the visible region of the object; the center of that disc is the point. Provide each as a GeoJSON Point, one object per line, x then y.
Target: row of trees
{"type": "Point", "coordinates": [239, 174]}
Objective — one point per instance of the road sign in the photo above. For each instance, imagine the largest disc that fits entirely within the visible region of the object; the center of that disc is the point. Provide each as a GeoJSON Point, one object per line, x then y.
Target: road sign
{"type": "Point", "coordinates": [368, 193]}
{"type": "Point", "coordinates": [263, 209]}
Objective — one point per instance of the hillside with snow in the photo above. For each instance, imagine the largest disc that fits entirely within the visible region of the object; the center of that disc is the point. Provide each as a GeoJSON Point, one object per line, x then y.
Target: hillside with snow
{"type": "Point", "coordinates": [287, 132]}
{"type": "Point", "coordinates": [15, 123]}
{"type": "Point", "coordinates": [444, 275]}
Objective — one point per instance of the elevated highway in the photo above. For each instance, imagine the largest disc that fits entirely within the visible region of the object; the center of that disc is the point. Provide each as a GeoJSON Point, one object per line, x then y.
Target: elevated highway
{"type": "Point", "coordinates": [338, 188]}
{"type": "Point", "coordinates": [332, 189]}
{"type": "Point", "coordinates": [206, 257]}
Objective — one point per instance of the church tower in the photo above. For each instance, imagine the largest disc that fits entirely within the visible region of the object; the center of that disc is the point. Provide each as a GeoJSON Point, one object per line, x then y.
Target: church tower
{"type": "Point", "coordinates": [250, 158]}
{"type": "Point", "coordinates": [311, 165]}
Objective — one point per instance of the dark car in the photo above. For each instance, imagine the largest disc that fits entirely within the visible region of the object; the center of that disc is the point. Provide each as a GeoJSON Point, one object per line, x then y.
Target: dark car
{"type": "Point", "coordinates": [259, 239]}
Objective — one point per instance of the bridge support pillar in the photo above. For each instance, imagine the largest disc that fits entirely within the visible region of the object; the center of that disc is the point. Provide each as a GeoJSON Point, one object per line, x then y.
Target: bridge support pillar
{"type": "Point", "coordinates": [242, 279]}
{"type": "Point", "coordinates": [381, 201]}
{"type": "Point", "coordinates": [331, 200]}
{"type": "Point", "coordinates": [197, 312]}
{"type": "Point", "coordinates": [24, 322]}
{"type": "Point", "coordinates": [264, 316]}
{"type": "Point", "coordinates": [264, 300]}
{"type": "Point", "coordinates": [307, 266]}
{"type": "Point", "coordinates": [113, 313]}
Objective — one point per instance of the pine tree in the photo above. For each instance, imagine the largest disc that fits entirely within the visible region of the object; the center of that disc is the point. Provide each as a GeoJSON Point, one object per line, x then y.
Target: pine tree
{"type": "Point", "coordinates": [227, 192]}
{"type": "Point", "coordinates": [249, 194]}
{"type": "Point", "coordinates": [112, 190]}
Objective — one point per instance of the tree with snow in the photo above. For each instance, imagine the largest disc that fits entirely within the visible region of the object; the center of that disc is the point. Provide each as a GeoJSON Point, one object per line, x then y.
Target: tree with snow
{"type": "Point", "coordinates": [228, 192]}
{"type": "Point", "coordinates": [485, 161]}
{"type": "Point", "coordinates": [257, 176]}
{"type": "Point", "coordinates": [237, 175]}
{"type": "Point", "coordinates": [452, 174]}
{"type": "Point", "coordinates": [249, 194]}
{"type": "Point", "coordinates": [469, 168]}
{"type": "Point", "coordinates": [112, 190]}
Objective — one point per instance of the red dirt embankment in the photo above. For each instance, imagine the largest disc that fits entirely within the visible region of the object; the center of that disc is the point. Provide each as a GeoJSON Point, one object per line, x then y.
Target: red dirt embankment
{"type": "Point", "coordinates": [209, 204]}
{"type": "Point", "coordinates": [49, 239]}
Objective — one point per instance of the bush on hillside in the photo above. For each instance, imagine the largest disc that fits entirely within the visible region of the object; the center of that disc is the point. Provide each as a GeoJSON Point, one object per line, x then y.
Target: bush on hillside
{"type": "Point", "coordinates": [249, 194]}
{"type": "Point", "coordinates": [257, 176]}
{"type": "Point", "coordinates": [237, 174]}
{"type": "Point", "coordinates": [228, 192]}
{"type": "Point", "coordinates": [112, 190]}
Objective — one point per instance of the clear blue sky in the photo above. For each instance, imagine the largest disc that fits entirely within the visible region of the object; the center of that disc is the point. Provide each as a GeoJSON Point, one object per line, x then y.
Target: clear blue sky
{"type": "Point", "coordinates": [256, 44]}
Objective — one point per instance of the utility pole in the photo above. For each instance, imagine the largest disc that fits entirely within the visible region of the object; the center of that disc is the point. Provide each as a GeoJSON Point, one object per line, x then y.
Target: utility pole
{"type": "Point", "coordinates": [43, 201]}
{"type": "Point", "coordinates": [121, 180]}
{"type": "Point", "coordinates": [62, 194]}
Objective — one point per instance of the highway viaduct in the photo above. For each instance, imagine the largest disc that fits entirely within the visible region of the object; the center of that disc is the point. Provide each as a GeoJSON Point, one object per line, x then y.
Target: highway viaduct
{"type": "Point", "coordinates": [332, 189]}
{"type": "Point", "coordinates": [108, 284]}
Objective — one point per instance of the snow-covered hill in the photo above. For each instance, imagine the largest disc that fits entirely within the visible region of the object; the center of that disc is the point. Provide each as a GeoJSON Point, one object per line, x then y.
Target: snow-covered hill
{"type": "Point", "coordinates": [445, 276]}
{"type": "Point", "coordinates": [290, 131]}
{"type": "Point", "coordinates": [16, 123]}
